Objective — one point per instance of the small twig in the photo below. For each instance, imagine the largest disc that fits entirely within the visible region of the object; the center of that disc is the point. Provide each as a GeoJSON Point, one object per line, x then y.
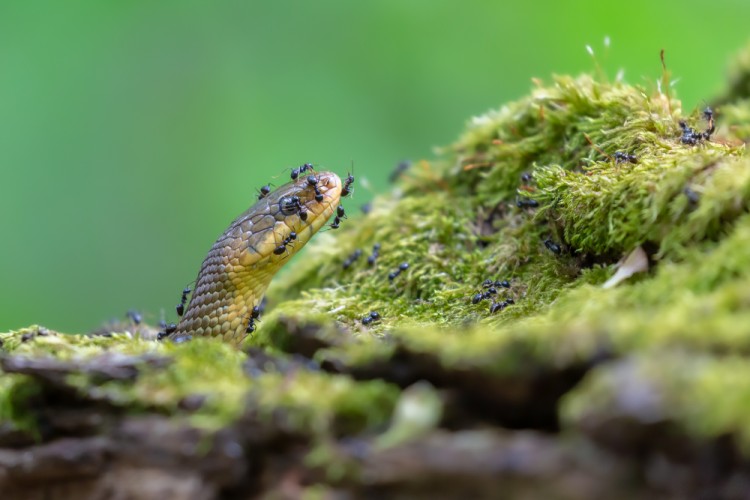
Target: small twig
{"type": "Point", "coordinates": [597, 147]}
{"type": "Point", "coordinates": [472, 166]}
{"type": "Point", "coordinates": [665, 81]}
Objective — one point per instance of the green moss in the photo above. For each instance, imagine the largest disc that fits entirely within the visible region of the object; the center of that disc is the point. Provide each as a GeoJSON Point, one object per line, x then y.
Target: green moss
{"type": "Point", "coordinates": [205, 370]}
{"type": "Point", "coordinates": [15, 393]}
{"type": "Point", "coordinates": [456, 222]}
{"type": "Point", "coordinates": [698, 304]}
{"type": "Point", "coordinates": [735, 120]}
{"type": "Point", "coordinates": [738, 78]}
{"type": "Point", "coordinates": [320, 402]}
{"type": "Point", "coordinates": [30, 341]}
{"type": "Point", "coordinates": [702, 396]}
{"type": "Point", "coordinates": [454, 237]}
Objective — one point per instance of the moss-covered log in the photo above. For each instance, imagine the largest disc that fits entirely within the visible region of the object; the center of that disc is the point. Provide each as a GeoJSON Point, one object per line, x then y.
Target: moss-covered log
{"type": "Point", "coordinates": [497, 362]}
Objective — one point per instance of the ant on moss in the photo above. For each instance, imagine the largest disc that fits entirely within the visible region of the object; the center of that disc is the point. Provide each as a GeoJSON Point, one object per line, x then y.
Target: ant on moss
{"type": "Point", "coordinates": [553, 247]}
{"type": "Point", "coordinates": [691, 136]}
{"type": "Point", "coordinates": [526, 202]}
{"type": "Point", "coordinates": [401, 268]}
{"type": "Point", "coordinates": [374, 316]}
{"type": "Point", "coordinates": [621, 157]}
{"type": "Point", "coordinates": [499, 306]}
{"type": "Point", "coordinates": [375, 254]}
{"type": "Point", "coordinates": [353, 257]}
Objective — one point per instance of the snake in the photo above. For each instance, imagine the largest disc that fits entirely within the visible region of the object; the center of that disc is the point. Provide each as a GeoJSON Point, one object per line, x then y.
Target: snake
{"type": "Point", "coordinates": [242, 262]}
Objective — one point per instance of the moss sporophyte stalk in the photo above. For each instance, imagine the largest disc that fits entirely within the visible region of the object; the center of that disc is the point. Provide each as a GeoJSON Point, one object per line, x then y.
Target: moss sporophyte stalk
{"type": "Point", "coordinates": [482, 276]}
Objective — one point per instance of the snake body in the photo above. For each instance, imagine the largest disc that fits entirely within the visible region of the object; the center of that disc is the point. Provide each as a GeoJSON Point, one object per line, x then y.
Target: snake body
{"type": "Point", "coordinates": [241, 263]}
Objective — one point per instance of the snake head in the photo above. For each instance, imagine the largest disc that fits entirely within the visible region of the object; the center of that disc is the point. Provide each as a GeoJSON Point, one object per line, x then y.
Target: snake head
{"type": "Point", "coordinates": [287, 220]}
{"type": "Point", "coordinates": [243, 260]}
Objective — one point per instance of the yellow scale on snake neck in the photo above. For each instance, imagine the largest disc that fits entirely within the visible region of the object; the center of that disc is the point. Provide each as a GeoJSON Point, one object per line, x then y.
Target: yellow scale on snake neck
{"type": "Point", "coordinates": [240, 265]}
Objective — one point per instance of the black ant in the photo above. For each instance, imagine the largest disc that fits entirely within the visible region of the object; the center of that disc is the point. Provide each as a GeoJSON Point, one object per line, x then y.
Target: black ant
{"type": "Point", "coordinates": [264, 191]}
{"type": "Point", "coordinates": [366, 208]}
{"type": "Point", "coordinates": [168, 329]}
{"type": "Point", "coordinates": [401, 167]}
{"type": "Point", "coordinates": [254, 316]}
{"type": "Point", "coordinates": [301, 170]}
{"type": "Point", "coordinates": [691, 136]}
{"type": "Point", "coordinates": [313, 182]}
{"type": "Point", "coordinates": [340, 213]}
{"type": "Point", "coordinates": [375, 254]}
{"type": "Point", "coordinates": [302, 213]}
{"type": "Point", "coordinates": [353, 257]}
{"type": "Point", "coordinates": [691, 195]}
{"type": "Point", "coordinates": [708, 114]}
{"type": "Point", "coordinates": [479, 297]}
{"type": "Point", "coordinates": [497, 283]}
{"type": "Point", "coordinates": [526, 177]}
{"type": "Point", "coordinates": [621, 157]}
{"type": "Point", "coordinates": [374, 316]}
{"type": "Point", "coordinates": [347, 190]}
{"type": "Point", "coordinates": [553, 247]}
{"type": "Point", "coordinates": [181, 306]}
{"type": "Point", "coordinates": [403, 267]}
{"type": "Point", "coordinates": [499, 306]}
{"type": "Point", "coordinates": [282, 248]}
{"type": "Point", "coordinates": [491, 289]}
{"type": "Point", "coordinates": [134, 316]}
{"type": "Point", "coordinates": [526, 202]}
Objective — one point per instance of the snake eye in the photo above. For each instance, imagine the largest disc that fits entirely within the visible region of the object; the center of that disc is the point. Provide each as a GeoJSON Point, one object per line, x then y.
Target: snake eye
{"type": "Point", "coordinates": [289, 205]}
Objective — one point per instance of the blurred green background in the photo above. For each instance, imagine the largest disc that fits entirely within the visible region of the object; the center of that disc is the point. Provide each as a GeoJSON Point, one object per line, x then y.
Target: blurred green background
{"type": "Point", "coordinates": [132, 132]}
